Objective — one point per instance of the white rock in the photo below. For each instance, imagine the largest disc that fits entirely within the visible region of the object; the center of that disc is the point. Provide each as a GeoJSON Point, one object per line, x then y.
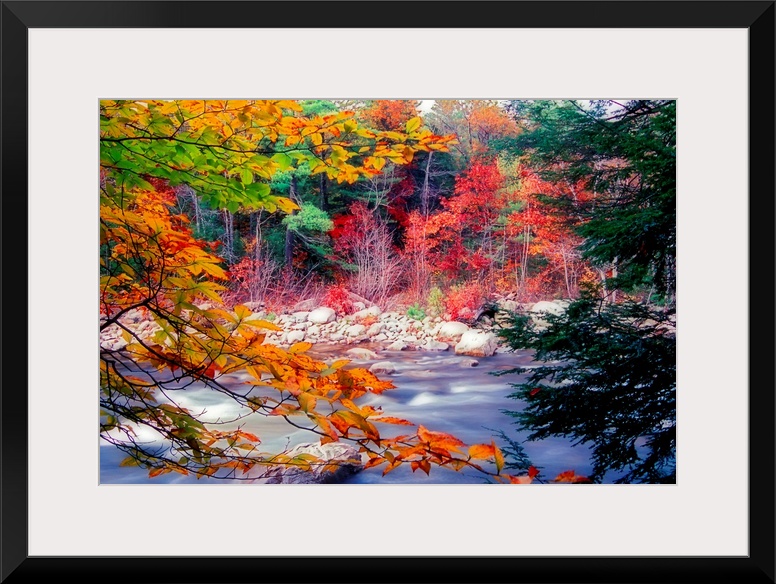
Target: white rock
{"type": "Point", "coordinates": [314, 330]}
{"type": "Point", "coordinates": [452, 330]}
{"type": "Point", "coordinates": [322, 315]}
{"type": "Point", "coordinates": [432, 345]}
{"type": "Point", "coordinates": [336, 337]}
{"type": "Point", "coordinates": [380, 338]}
{"type": "Point", "coordinates": [261, 315]}
{"type": "Point", "coordinates": [477, 344]}
{"type": "Point", "coordinates": [358, 306]}
{"type": "Point", "coordinates": [547, 307]}
{"type": "Point", "coordinates": [355, 330]}
{"type": "Point", "coordinates": [508, 305]}
{"type": "Point", "coordinates": [397, 346]}
{"type": "Point", "coordinates": [385, 367]}
{"type": "Point", "coordinates": [371, 311]}
{"type": "Point", "coordinates": [375, 329]}
{"type": "Point", "coordinates": [361, 353]}
{"type": "Point", "coordinates": [348, 459]}
{"type": "Point", "coordinates": [300, 316]}
{"type": "Point", "coordinates": [295, 337]}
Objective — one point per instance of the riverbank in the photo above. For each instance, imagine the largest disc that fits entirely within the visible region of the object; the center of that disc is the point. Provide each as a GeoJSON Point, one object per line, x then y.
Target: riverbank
{"type": "Point", "coordinates": [370, 328]}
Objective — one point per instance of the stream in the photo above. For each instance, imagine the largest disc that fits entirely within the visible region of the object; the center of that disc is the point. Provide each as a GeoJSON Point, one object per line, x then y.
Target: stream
{"type": "Point", "coordinates": [432, 389]}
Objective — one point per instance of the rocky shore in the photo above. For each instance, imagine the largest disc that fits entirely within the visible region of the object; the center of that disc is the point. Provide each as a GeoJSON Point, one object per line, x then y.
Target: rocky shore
{"type": "Point", "coordinates": [390, 330]}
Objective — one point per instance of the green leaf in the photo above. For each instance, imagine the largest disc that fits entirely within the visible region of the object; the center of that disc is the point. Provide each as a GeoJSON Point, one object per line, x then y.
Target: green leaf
{"type": "Point", "coordinates": [283, 160]}
{"type": "Point", "coordinates": [246, 176]}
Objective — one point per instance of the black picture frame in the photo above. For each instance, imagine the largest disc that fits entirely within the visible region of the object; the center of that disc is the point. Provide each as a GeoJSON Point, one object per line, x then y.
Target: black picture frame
{"type": "Point", "coordinates": [17, 566]}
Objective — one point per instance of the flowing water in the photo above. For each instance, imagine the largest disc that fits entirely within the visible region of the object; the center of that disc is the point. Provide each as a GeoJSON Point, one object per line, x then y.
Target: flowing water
{"type": "Point", "coordinates": [432, 389]}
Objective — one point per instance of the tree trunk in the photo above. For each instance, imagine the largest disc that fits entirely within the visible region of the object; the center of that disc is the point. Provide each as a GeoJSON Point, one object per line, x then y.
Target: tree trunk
{"type": "Point", "coordinates": [425, 191]}
{"type": "Point", "coordinates": [289, 245]}
{"type": "Point", "coordinates": [228, 237]}
{"type": "Point", "coordinates": [324, 201]}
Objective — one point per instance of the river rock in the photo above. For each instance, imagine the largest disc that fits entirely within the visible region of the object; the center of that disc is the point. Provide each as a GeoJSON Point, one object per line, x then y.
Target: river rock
{"type": "Point", "coordinates": [545, 306]}
{"type": "Point", "coordinates": [466, 362]}
{"type": "Point", "coordinates": [452, 330]}
{"type": "Point", "coordinates": [380, 338]}
{"type": "Point", "coordinates": [305, 305]}
{"type": "Point", "coordinates": [314, 330]}
{"type": "Point", "coordinates": [295, 337]}
{"type": "Point", "coordinates": [432, 345]}
{"type": "Point", "coordinates": [477, 344]}
{"type": "Point", "coordinates": [260, 315]}
{"type": "Point", "coordinates": [508, 305]}
{"type": "Point", "coordinates": [355, 330]}
{"type": "Point", "coordinates": [375, 329]}
{"type": "Point", "coordinates": [361, 353]}
{"type": "Point", "coordinates": [397, 346]}
{"type": "Point", "coordinates": [346, 457]}
{"type": "Point", "coordinates": [300, 316]}
{"type": "Point", "coordinates": [322, 315]}
{"type": "Point", "coordinates": [385, 367]}
{"type": "Point", "coordinates": [371, 311]}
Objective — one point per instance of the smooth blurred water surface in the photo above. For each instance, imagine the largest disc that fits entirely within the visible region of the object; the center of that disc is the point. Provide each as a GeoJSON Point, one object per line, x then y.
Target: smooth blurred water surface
{"type": "Point", "coordinates": [432, 389]}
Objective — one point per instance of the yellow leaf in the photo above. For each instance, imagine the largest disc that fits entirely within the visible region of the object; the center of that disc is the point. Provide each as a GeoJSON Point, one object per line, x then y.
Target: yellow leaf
{"type": "Point", "coordinates": [482, 451]}
{"type": "Point", "coordinates": [499, 457]}
{"type": "Point", "coordinates": [413, 124]}
{"type": "Point", "coordinates": [300, 347]}
{"type": "Point", "coordinates": [242, 311]}
{"type": "Point", "coordinates": [307, 402]}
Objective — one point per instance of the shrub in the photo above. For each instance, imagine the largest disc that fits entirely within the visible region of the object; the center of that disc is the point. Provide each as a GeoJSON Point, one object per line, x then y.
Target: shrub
{"type": "Point", "coordinates": [338, 299]}
{"type": "Point", "coordinates": [368, 320]}
{"type": "Point", "coordinates": [463, 300]}
{"type": "Point", "coordinates": [416, 312]}
{"type": "Point", "coordinates": [435, 302]}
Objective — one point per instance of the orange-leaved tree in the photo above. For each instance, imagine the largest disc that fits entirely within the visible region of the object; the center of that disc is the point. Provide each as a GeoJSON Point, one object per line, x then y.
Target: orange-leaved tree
{"type": "Point", "coordinates": [164, 327]}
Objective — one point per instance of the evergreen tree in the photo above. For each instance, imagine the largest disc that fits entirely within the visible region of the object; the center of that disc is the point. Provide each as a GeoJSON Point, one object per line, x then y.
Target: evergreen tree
{"type": "Point", "coordinates": [609, 373]}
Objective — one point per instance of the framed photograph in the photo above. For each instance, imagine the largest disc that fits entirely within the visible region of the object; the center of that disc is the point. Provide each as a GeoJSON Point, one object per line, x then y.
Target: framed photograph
{"type": "Point", "coordinates": [400, 120]}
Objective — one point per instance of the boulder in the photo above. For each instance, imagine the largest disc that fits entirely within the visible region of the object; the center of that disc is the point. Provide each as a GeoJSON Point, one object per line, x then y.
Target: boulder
{"type": "Point", "coordinates": [321, 315]}
{"type": "Point", "coordinates": [385, 367]}
{"type": "Point", "coordinates": [375, 329]}
{"type": "Point", "coordinates": [371, 311]}
{"type": "Point", "coordinates": [294, 337]}
{"type": "Point", "coordinates": [300, 316]}
{"type": "Point", "coordinates": [465, 362]}
{"type": "Point", "coordinates": [305, 305]}
{"type": "Point", "coordinates": [547, 307]}
{"type": "Point", "coordinates": [397, 346]}
{"type": "Point", "coordinates": [355, 330]}
{"type": "Point", "coordinates": [476, 343]}
{"type": "Point", "coordinates": [360, 353]}
{"type": "Point", "coordinates": [432, 345]}
{"type": "Point", "coordinates": [452, 330]}
{"type": "Point", "coordinates": [345, 461]}
{"type": "Point", "coordinates": [509, 305]}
